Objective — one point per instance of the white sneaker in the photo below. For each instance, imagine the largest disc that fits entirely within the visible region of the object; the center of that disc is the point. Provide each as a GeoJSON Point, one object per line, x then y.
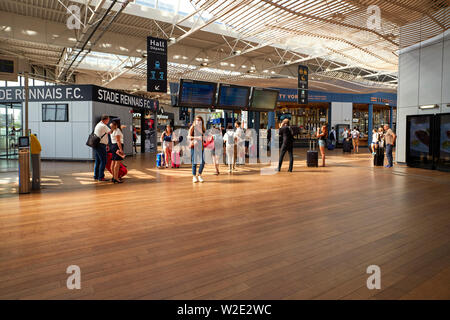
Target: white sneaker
{"type": "Point", "coordinates": [200, 179]}
{"type": "Point", "coordinates": [194, 179]}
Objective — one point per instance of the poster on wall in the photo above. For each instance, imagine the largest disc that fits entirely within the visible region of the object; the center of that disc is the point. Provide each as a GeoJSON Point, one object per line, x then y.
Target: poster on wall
{"type": "Point", "coordinates": [156, 65]}
{"type": "Point", "coordinates": [445, 138]}
{"type": "Point", "coordinates": [420, 136]}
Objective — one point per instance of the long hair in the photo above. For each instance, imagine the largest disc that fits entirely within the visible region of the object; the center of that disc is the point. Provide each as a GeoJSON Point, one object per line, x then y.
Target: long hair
{"type": "Point", "coordinates": [116, 122]}
{"type": "Point", "coordinates": [191, 129]}
{"type": "Point", "coordinates": [168, 126]}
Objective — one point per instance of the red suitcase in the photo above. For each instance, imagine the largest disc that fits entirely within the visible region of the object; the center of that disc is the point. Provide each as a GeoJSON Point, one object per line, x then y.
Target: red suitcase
{"type": "Point", "coordinates": [176, 159]}
{"type": "Point", "coordinates": [122, 170]}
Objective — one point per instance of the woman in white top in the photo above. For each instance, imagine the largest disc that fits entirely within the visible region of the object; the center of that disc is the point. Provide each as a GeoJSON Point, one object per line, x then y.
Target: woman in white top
{"type": "Point", "coordinates": [355, 139]}
{"type": "Point", "coordinates": [116, 149]}
{"type": "Point", "coordinates": [166, 140]}
{"type": "Point", "coordinates": [375, 141]}
{"type": "Point", "coordinates": [230, 139]}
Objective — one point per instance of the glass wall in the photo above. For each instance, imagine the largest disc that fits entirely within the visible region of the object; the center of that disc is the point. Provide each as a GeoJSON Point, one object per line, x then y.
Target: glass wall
{"type": "Point", "coordinates": [381, 115]}
{"type": "Point", "coordinates": [305, 120]}
{"type": "Point", "coordinates": [10, 129]}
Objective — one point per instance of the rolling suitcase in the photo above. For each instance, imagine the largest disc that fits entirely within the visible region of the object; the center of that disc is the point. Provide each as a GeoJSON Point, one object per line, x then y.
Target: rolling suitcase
{"type": "Point", "coordinates": [378, 158]}
{"type": "Point", "coordinates": [122, 169]}
{"type": "Point", "coordinates": [176, 159]}
{"type": "Point", "coordinates": [330, 145]}
{"type": "Point", "coordinates": [312, 156]}
{"type": "Point", "coordinates": [160, 160]}
{"type": "Point", "coordinates": [346, 146]}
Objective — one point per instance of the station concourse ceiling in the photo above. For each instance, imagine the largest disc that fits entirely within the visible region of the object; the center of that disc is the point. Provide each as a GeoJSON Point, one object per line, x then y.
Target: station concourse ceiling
{"type": "Point", "coordinates": [247, 42]}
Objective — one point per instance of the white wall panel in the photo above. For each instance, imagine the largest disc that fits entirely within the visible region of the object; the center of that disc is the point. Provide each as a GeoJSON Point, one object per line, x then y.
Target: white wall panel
{"type": "Point", "coordinates": [80, 131]}
{"type": "Point", "coordinates": [34, 111]}
{"type": "Point", "coordinates": [80, 111]}
{"type": "Point", "coordinates": [408, 79]}
{"type": "Point", "coordinates": [446, 74]}
{"type": "Point", "coordinates": [63, 140]}
{"type": "Point", "coordinates": [430, 74]}
{"type": "Point", "coordinates": [47, 139]}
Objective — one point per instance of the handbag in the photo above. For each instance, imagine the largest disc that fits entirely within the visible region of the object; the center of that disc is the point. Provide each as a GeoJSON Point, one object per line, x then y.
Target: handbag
{"type": "Point", "coordinates": [93, 140]}
{"type": "Point", "coordinates": [209, 144]}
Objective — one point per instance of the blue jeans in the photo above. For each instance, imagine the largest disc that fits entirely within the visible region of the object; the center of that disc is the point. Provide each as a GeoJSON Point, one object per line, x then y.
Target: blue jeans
{"type": "Point", "coordinates": [196, 161]}
{"type": "Point", "coordinates": [389, 148]}
{"type": "Point", "coordinates": [100, 161]}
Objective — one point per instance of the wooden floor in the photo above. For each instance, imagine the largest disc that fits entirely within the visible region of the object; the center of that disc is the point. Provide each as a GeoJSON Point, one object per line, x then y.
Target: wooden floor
{"type": "Point", "coordinates": [310, 234]}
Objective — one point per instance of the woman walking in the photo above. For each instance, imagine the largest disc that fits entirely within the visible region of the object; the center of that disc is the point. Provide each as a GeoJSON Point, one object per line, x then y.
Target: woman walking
{"type": "Point", "coordinates": [116, 149]}
{"type": "Point", "coordinates": [322, 135]}
{"type": "Point", "coordinates": [355, 139]}
{"type": "Point", "coordinates": [166, 140]}
{"type": "Point", "coordinates": [230, 140]}
{"type": "Point", "coordinates": [196, 136]}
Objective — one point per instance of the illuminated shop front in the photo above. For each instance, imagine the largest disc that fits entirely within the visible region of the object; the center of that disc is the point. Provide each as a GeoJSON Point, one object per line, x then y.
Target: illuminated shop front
{"type": "Point", "coordinates": [364, 111]}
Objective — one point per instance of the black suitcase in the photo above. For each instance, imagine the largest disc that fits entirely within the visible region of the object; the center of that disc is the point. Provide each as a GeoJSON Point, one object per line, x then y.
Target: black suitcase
{"type": "Point", "coordinates": [312, 156]}
{"type": "Point", "coordinates": [347, 146]}
{"type": "Point", "coordinates": [378, 159]}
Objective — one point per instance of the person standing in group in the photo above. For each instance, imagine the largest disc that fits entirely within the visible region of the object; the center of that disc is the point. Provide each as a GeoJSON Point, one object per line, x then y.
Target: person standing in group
{"type": "Point", "coordinates": [287, 144]}
{"type": "Point", "coordinates": [333, 136]}
{"type": "Point", "coordinates": [345, 134]}
{"type": "Point", "coordinates": [196, 136]}
{"type": "Point", "coordinates": [101, 130]}
{"type": "Point", "coordinates": [389, 139]}
{"type": "Point", "coordinates": [355, 139]}
{"type": "Point", "coordinates": [213, 143]}
{"type": "Point", "coordinates": [135, 139]}
{"type": "Point", "coordinates": [230, 147]}
{"type": "Point", "coordinates": [240, 143]}
{"type": "Point", "coordinates": [269, 137]}
{"type": "Point", "coordinates": [322, 135]}
{"type": "Point", "coordinates": [116, 149]}
{"type": "Point", "coordinates": [166, 141]}
{"type": "Point", "coordinates": [375, 141]}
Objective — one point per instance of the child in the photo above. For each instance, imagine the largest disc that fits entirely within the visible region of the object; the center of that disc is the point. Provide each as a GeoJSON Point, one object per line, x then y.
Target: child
{"type": "Point", "coordinates": [375, 141]}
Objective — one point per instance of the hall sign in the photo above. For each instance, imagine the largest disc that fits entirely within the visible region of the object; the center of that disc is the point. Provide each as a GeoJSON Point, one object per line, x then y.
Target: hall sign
{"type": "Point", "coordinates": [156, 65]}
{"type": "Point", "coordinates": [302, 86]}
{"type": "Point", "coordinates": [76, 93]}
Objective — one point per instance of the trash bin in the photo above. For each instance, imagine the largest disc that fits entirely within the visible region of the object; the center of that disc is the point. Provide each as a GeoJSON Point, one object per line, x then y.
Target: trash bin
{"type": "Point", "coordinates": [24, 170]}
{"type": "Point", "coordinates": [35, 148]}
{"type": "Point", "coordinates": [36, 171]}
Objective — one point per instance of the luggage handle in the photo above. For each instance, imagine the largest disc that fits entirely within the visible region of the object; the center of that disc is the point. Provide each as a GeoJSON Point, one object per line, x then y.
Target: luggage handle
{"type": "Point", "coordinates": [313, 144]}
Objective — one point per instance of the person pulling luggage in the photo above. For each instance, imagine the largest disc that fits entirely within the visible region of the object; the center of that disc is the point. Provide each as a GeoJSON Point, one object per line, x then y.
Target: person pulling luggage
{"type": "Point", "coordinates": [287, 145]}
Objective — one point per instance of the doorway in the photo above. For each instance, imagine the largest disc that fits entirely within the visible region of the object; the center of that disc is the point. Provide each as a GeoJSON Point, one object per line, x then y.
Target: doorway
{"type": "Point", "coordinates": [10, 129]}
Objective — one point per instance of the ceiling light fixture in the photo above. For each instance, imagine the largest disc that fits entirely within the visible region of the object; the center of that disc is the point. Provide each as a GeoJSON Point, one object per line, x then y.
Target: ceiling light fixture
{"type": "Point", "coordinates": [203, 64]}
{"type": "Point", "coordinates": [429, 106]}
{"type": "Point", "coordinates": [176, 56]}
{"type": "Point", "coordinates": [243, 66]}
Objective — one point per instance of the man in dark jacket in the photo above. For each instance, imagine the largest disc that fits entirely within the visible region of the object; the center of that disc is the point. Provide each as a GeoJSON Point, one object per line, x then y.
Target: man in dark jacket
{"type": "Point", "coordinates": [287, 144]}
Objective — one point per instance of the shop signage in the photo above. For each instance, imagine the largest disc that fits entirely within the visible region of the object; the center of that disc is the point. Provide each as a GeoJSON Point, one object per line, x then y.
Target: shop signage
{"type": "Point", "coordinates": [156, 65]}
{"type": "Point", "coordinates": [46, 93]}
{"type": "Point", "coordinates": [76, 93]}
{"type": "Point", "coordinates": [120, 98]}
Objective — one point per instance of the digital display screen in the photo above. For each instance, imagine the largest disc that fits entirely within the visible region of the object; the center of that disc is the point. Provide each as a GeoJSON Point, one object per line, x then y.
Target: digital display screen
{"type": "Point", "coordinates": [233, 96]}
{"type": "Point", "coordinates": [445, 138]}
{"type": "Point", "coordinates": [263, 99]}
{"type": "Point", "coordinates": [6, 66]}
{"type": "Point", "coordinates": [196, 93]}
{"type": "Point", "coordinates": [420, 137]}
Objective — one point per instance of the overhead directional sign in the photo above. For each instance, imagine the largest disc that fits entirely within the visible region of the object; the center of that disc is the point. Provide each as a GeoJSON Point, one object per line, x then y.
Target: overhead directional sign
{"type": "Point", "coordinates": [156, 65]}
{"type": "Point", "coordinates": [302, 85]}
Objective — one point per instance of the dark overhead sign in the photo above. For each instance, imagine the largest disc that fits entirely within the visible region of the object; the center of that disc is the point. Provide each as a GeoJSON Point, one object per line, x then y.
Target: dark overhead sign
{"type": "Point", "coordinates": [302, 84]}
{"type": "Point", "coordinates": [156, 65]}
{"type": "Point", "coordinates": [77, 93]}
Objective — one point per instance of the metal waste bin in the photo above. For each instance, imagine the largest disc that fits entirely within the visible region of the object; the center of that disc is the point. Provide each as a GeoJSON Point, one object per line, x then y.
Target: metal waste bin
{"type": "Point", "coordinates": [36, 171]}
{"type": "Point", "coordinates": [24, 170]}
